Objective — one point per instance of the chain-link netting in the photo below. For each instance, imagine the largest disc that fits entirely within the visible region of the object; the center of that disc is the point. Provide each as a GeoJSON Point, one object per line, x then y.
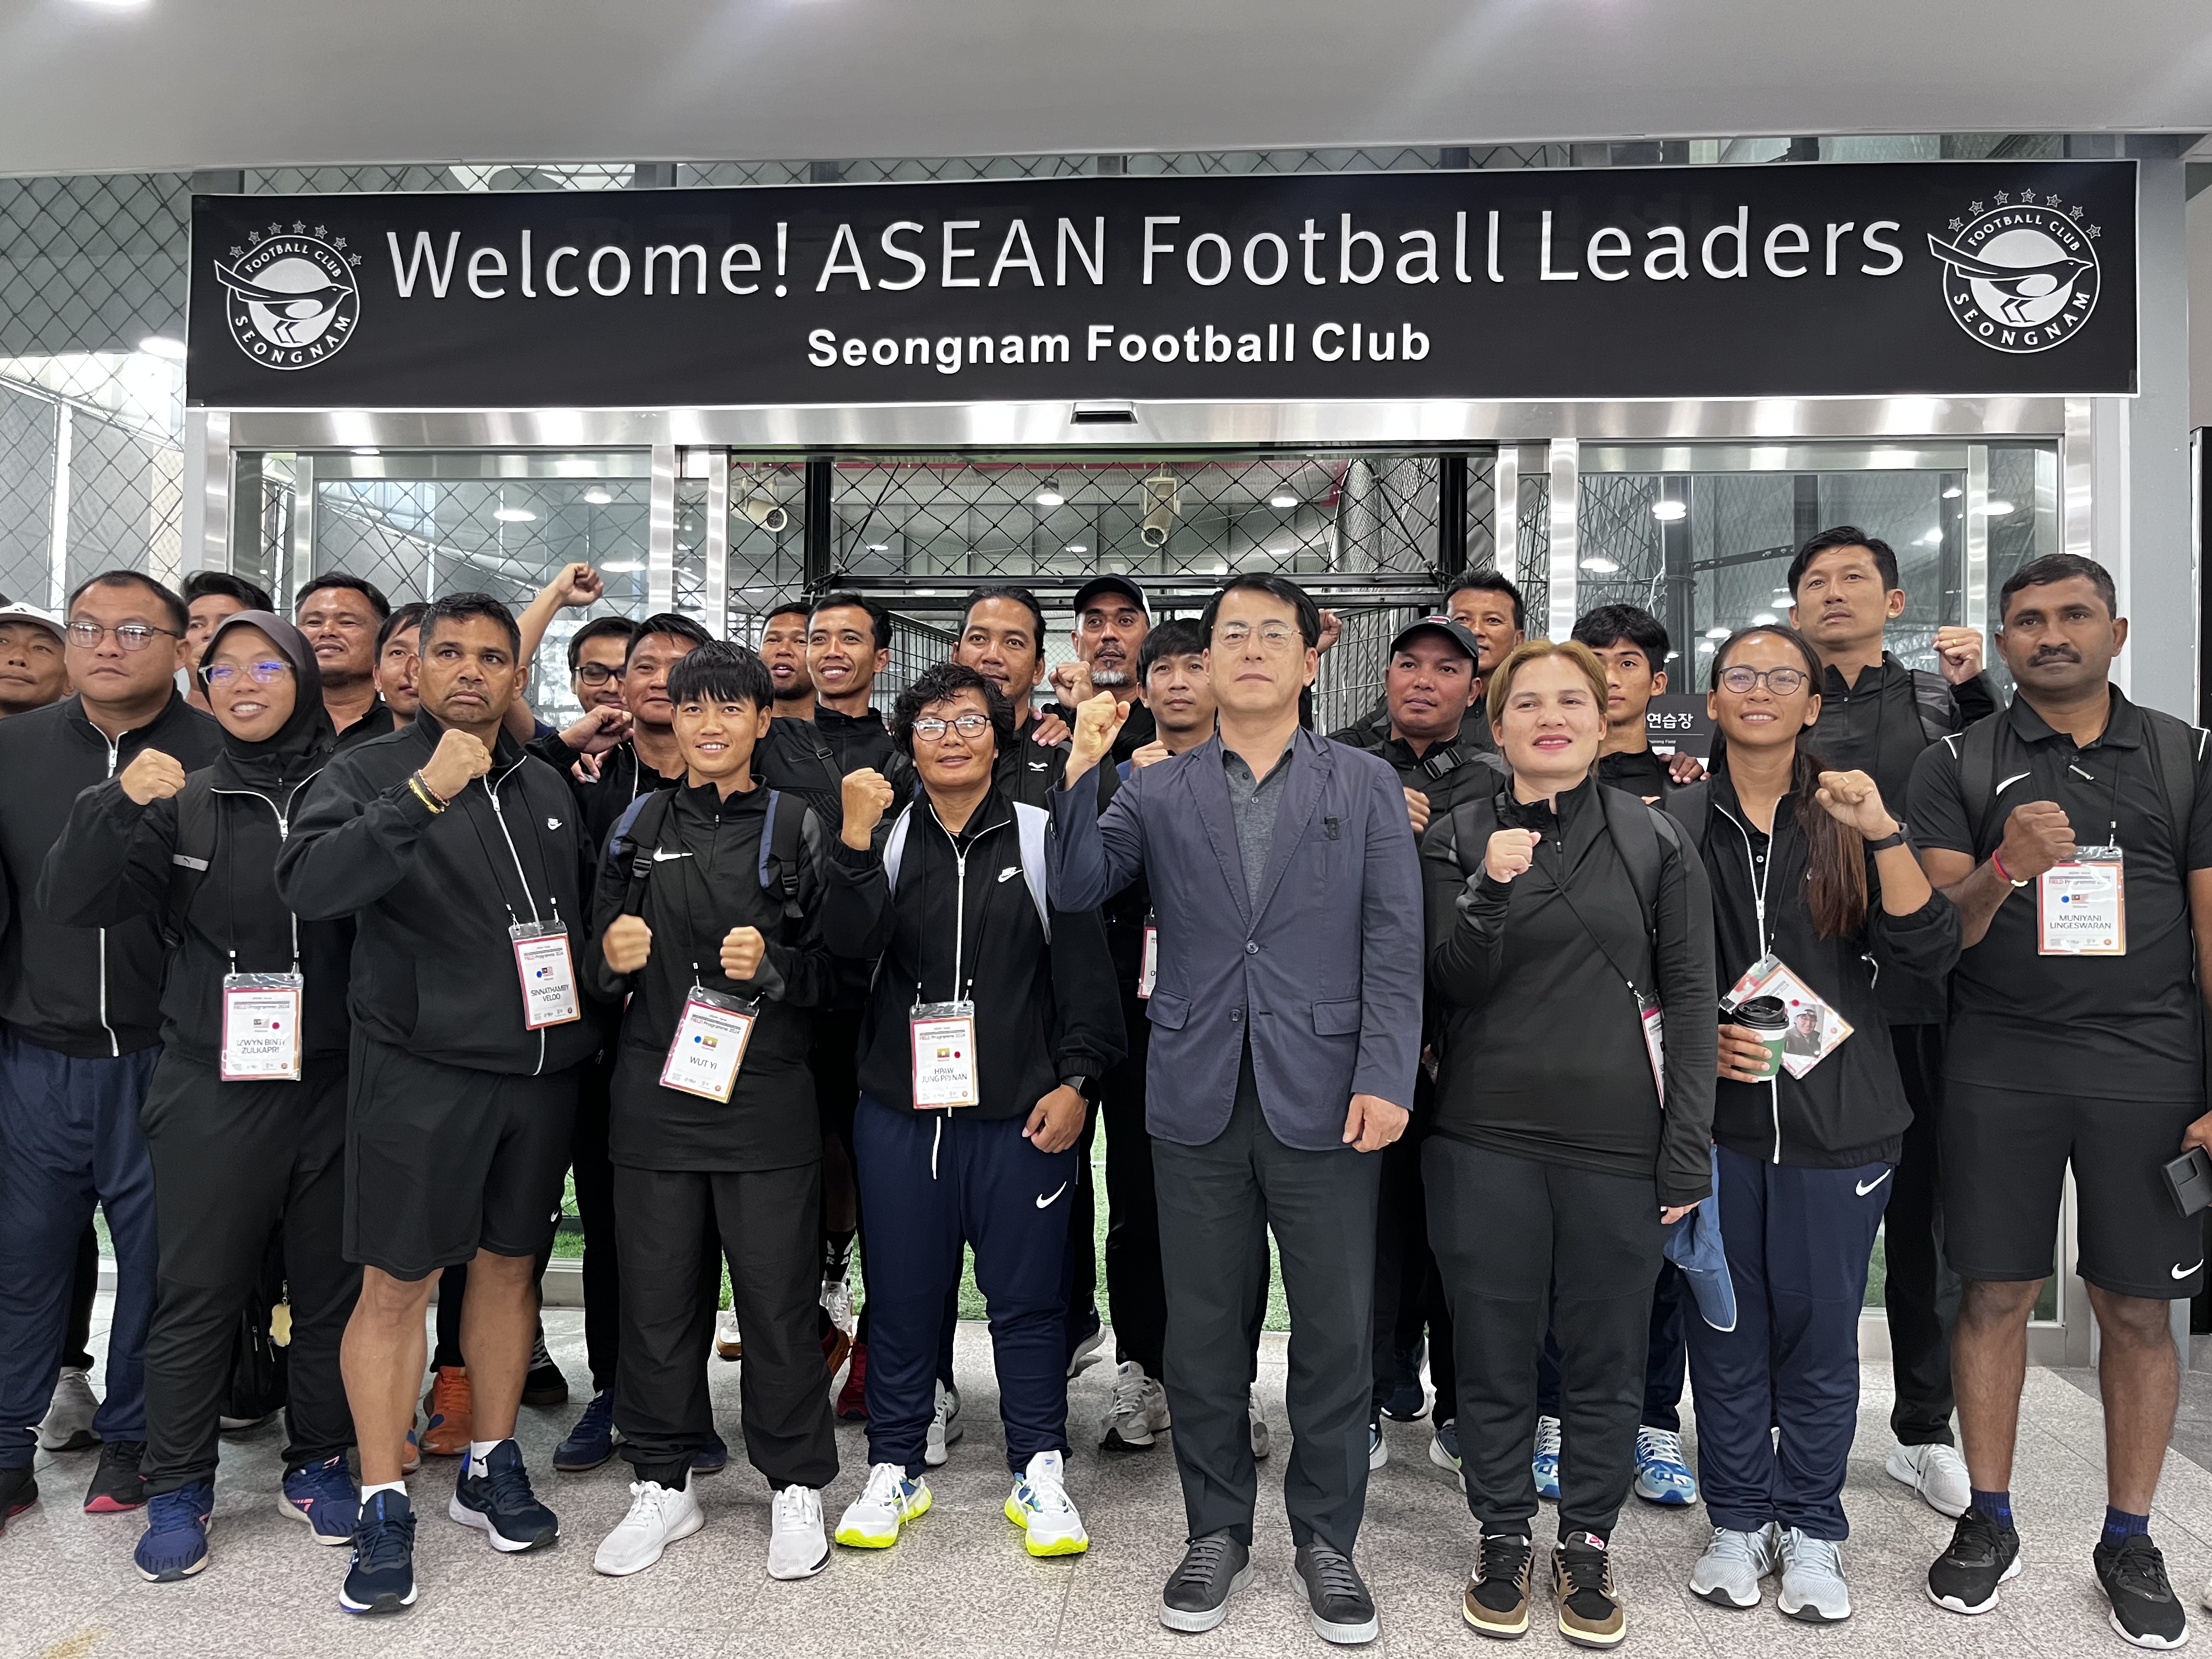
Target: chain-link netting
{"type": "Point", "coordinates": [1532, 559]}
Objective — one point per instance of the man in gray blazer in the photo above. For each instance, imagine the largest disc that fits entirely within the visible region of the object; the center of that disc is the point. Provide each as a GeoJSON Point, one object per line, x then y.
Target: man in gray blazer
{"type": "Point", "coordinates": [1285, 1025]}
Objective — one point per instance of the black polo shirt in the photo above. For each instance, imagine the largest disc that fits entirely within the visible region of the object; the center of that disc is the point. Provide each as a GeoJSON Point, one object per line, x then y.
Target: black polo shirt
{"type": "Point", "coordinates": [2123, 1028]}
{"type": "Point", "coordinates": [1639, 771]}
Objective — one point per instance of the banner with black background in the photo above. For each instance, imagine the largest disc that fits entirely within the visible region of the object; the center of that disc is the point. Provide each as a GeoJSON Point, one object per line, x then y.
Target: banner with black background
{"type": "Point", "coordinates": [1967, 279]}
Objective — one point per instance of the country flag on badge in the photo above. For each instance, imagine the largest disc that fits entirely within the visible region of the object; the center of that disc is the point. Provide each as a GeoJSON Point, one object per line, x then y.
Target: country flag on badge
{"type": "Point", "coordinates": [705, 1041]}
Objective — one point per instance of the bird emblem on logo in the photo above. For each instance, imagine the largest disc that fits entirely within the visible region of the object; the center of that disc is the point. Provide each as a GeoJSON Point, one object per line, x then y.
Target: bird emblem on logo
{"type": "Point", "coordinates": [290, 301]}
{"type": "Point", "coordinates": [2020, 279]}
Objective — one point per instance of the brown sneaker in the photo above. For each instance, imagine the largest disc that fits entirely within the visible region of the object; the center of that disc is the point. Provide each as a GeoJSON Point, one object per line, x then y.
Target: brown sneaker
{"type": "Point", "coordinates": [451, 1411]}
{"type": "Point", "coordinates": [1497, 1601]}
{"type": "Point", "coordinates": [1590, 1613]}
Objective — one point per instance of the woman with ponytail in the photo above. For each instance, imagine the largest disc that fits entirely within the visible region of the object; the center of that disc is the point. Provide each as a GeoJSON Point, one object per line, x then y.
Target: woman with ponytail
{"type": "Point", "coordinates": [1816, 893]}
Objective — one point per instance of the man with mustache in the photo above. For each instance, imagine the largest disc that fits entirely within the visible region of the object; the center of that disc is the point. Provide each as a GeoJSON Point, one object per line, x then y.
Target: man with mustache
{"type": "Point", "coordinates": [1877, 716]}
{"type": "Point", "coordinates": [1111, 620]}
{"type": "Point", "coordinates": [783, 652]}
{"type": "Point", "coordinates": [2074, 832]}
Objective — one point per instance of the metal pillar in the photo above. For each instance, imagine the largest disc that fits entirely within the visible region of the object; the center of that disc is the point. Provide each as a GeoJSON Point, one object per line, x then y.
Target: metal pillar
{"type": "Point", "coordinates": [1566, 500]}
{"type": "Point", "coordinates": [1451, 516]}
{"type": "Point", "coordinates": [820, 552]}
{"type": "Point", "coordinates": [660, 544]}
{"type": "Point", "coordinates": [718, 544]}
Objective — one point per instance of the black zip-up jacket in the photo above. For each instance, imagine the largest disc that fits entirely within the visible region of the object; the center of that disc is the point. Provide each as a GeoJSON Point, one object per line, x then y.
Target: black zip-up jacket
{"type": "Point", "coordinates": [85, 991]}
{"type": "Point", "coordinates": [1544, 1055]}
{"type": "Point", "coordinates": [1139, 729]}
{"type": "Point", "coordinates": [1447, 772]}
{"type": "Point", "coordinates": [704, 880]}
{"type": "Point", "coordinates": [601, 801]}
{"type": "Point", "coordinates": [1044, 1013]}
{"type": "Point", "coordinates": [433, 895]}
{"type": "Point", "coordinates": [799, 756]}
{"type": "Point", "coordinates": [1851, 1109]}
{"type": "Point", "coordinates": [1029, 771]}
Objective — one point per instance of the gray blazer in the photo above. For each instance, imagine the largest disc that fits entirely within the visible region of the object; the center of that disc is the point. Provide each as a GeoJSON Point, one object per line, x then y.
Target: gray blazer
{"type": "Point", "coordinates": [1327, 971]}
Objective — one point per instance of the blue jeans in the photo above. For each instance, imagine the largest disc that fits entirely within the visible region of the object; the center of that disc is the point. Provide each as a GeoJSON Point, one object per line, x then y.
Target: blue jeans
{"type": "Point", "coordinates": [69, 1141]}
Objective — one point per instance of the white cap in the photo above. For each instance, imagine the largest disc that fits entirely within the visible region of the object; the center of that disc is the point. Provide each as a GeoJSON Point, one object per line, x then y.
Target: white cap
{"type": "Point", "coordinates": [19, 612]}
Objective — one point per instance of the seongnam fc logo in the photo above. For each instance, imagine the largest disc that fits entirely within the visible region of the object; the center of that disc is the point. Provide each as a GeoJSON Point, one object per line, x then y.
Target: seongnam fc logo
{"type": "Point", "coordinates": [291, 300]}
{"type": "Point", "coordinates": [2022, 275]}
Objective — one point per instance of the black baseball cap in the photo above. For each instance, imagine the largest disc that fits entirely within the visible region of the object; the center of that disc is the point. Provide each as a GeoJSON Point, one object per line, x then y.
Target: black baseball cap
{"type": "Point", "coordinates": [1097, 585]}
{"type": "Point", "coordinates": [1456, 631]}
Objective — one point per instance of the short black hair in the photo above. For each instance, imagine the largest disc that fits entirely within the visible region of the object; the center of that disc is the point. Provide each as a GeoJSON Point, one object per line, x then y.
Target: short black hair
{"type": "Point", "coordinates": [789, 607]}
{"type": "Point", "coordinates": [2059, 567]}
{"type": "Point", "coordinates": [360, 585]}
{"type": "Point", "coordinates": [201, 583]}
{"type": "Point", "coordinates": [1488, 581]}
{"type": "Point", "coordinates": [1019, 595]}
{"type": "Point", "coordinates": [719, 672]}
{"type": "Point", "coordinates": [1609, 624]}
{"type": "Point", "coordinates": [879, 620]}
{"type": "Point", "coordinates": [600, 628]}
{"type": "Point", "coordinates": [1180, 637]}
{"type": "Point", "coordinates": [672, 623]}
{"type": "Point", "coordinates": [406, 617]}
{"type": "Point", "coordinates": [166, 595]}
{"type": "Point", "coordinates": [1846, 535]}
{"type": "Point", "coordinates": [461, 607]}
{"type": "Point", "coordinates": [1281, 588]}
{"type": "Point", "coordinates": [935, 684]}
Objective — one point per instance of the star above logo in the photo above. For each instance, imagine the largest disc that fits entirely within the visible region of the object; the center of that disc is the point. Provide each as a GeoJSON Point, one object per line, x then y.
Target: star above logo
{"type": "Point", "coordinates": [1958, 224]}
{"type": "Point", "coordinates": [1973, 207]}
{"type": "Point", "coordinates": [2095, 232]}
{"type": "Point", "coordinates": [2002, 198]}
{"type": "Point", "coordinates": [254, 237]}
{"type": "Point", "coordinates": [298, 227]}
{"type": "Point", "coordinates": [354, 258]}
{"type": "Point", "coordinates": [2052, 199]}
{"type": "Point", "coordinates": [274, 229]}
{"type": "Point", "coordinates": [338, 242]}
{"type": "Point", "coordinates": [2074, 212]}
{"type": "Point", "coordinates": [238, 252]}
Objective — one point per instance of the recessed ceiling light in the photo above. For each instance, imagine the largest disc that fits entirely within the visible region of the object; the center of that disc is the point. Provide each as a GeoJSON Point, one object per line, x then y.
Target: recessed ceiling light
{"type": "Point", "coordinates": [1952, 494]}
{"type": "Point", "coordinates": [622, 567]}
{"type": "Point", "coordinates": [366, 452]}
{"type": "Point", "coordinates": [1933, 538]}
{"type": "Point", "coordinates": [1765, 619]}
{"type": "Point", "coordinates": [1997, 509]}
{"type": "Point", "coordinates": [598, 497]}
{"type": "Point", "coordinates": [879, 547]}
{"type": "Point", "coordinates": [1666, 511]}
{"type": "Point", "coordinates": [1716, 632]}
{"type": "Point", "coordinates": [1600, 566]}
{"type": "Point", "coordinates": [1076, 547]}
{"type": "Point", "coordinates": [1282, 501]}
{"type": "Point", "coordinates": [114, 5]}
{"type": "Point", "coordinates": [1049, 494]}
{"type": "Point", "coordinates": [163, 345]}
{"type": "Point", "coordinates": [514, 515]}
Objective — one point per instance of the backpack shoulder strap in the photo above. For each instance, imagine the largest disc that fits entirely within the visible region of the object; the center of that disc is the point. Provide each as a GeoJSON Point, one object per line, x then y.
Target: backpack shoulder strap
{"type": "Point", "coordinates": [1683, 808]}
{"type": "Point", "coordinates": [1030, 824]}
{"type": "Point", "coordinates": [197, 818]}
{"type": "Point", "coordinates": [1977, 751]}
{"type": "Point", "coordinates": [1472, 822]}
{"type": "Point", "coordinates": [636, 834]}
{"type": "Point", "coordinates": [2176, 749]}
{"type": "Point", "coordinates": [895, 849]}
{"type": "Point", "coordinates": [1635, 828]}
{"type": "Point", "coordinates": [1936, 702]}
{"type": "Point", "coordinates": [782, 857]}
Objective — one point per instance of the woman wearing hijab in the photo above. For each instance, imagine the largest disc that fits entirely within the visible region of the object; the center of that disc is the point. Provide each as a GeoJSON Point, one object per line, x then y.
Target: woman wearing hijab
{"type": "Point", "coordinates": [246, 1116]}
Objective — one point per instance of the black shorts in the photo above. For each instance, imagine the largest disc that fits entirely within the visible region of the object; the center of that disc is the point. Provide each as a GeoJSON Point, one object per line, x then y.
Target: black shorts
{"type": "Point", "coordinates": [442, 1161]}
{"type": "Point", "coordinates": [2004, 1157]}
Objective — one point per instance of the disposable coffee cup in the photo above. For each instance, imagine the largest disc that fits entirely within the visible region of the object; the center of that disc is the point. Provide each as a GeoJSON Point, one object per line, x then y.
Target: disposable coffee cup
{"type": "Point", "coordinates": [1769, 1020]}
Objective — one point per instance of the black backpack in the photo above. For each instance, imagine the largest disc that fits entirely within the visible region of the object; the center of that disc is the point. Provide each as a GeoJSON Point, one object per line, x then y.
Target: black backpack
{"type": "Point", "coordinates": [1936, 702]}
{"type": "Point", "coordinates": [782, 853]}
{"type": "Point", "coordinates": [197, 821]}
{"type": "Point", "coordinates": [1638, 830]}
{"type": "Point", "coordinates": [2176, 748]}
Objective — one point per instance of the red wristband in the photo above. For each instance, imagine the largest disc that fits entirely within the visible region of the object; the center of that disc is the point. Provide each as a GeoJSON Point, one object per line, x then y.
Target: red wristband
{"type": "Point", "coordinates": [1999, 865]}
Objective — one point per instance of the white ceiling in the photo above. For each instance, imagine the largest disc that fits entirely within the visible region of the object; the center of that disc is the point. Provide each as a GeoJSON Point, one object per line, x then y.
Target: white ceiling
{"type": "Point", "coordinates": [111, 85]}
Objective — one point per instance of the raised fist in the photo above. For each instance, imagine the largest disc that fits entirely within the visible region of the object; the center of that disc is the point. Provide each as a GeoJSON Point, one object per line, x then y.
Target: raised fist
{"type": "Point", "coordinates": [1510, 851]}
{"type": "Point", "coordinates": [2037, 835]}
{"type": "Point", "coordinates": [742, 950]}
{"type": "Point", "coordinates": [626, 945]}
{"type": "Point", "coordinates": [868, 797]}
{"type": "Point", "coordinates": [1098, 721]}
{"type": "Point", "coordinates": [152, 776]}
{"type": "Point", "coordinates": [460, 760]}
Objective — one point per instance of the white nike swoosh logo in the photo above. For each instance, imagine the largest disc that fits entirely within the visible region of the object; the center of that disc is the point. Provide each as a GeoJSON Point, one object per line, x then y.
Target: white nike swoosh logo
{"type": "Point", "coordinates": [2010, 781]}
{"type": "Point", "coordinates": [660, 857]}
{"type": "Point", "coordinates": [1010, 873]}
{"type": "Point", "coordinates": [2183, 1273]}
{"type": "Point", "coordinates": [1039, 766]}
{"type": "Point", "coordinates": [1046, 1203]}
{"type": "Point", "coordinates": [1866, 1187]}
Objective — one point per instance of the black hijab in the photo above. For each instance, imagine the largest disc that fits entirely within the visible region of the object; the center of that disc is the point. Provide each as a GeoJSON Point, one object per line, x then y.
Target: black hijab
{"type": "Point", "coordinates": [303, 743]}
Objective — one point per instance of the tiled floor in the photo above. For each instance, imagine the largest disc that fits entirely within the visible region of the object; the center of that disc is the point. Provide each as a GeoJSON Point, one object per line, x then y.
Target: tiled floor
{"type": "Point", "coordinates": [960, 1585]}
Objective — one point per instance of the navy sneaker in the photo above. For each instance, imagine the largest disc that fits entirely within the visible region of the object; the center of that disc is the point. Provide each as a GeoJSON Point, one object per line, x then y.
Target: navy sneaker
{"type": "Point", "coordinates": [500, 1504]}
{"type": "Point", "coordinates": [19, 1490]}
{"type": "Point", "coordinates": [382, 1577]}
{"type": "Point", "coordinates": [713, 1457]}
{"type": "Point", "coordinates": [592, 1442]}
{"type": "Point", "coordinates": [174, 1545]}
{"type": "Point", "coordinates": [1406, 1399]}
{"type": "Point", "coordinates": [322, 1495]}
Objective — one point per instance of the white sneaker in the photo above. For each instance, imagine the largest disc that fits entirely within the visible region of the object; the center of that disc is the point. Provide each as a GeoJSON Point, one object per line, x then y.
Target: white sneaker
{"type": "Point", "coordinates": [67, 1423]}
{"type": "Point", "coordinates": [1378, 1449]}
{"type": "Point", "coordinates": [1938, 1473]}
{"type": "Point", "coordinates": [888, 1502]}
{"type": "Point", "coordinates": [728, 1344]}
{"type": "Point", "coordinates": [658, 1518]}
{"type": "Point", "coordinates": [1259, 1431]}
{"type": "Point", "coordinates": [944, 1429]}
{"type": "Point", "coordinates": [1728, 1573]}
{"type": "Point", "coordinates": [797, 1545]}
{"type": "Point", "coordinates": [1140, 1411]}
{"type": "Point", "coordinates": [837, 1303]}
{"type": "Point", "coordinates": [1039, 1505]}
{"type": "Point", "coordinates": [1086, 1353]}
{"type": "Point", "coordinates": [1813, 1587]}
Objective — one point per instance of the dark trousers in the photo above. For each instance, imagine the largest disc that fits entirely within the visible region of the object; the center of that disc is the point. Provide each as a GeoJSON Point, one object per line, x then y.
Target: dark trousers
{"type": "Point", "coordinates": [77, 1346]}
{"type": "Point", "coordinates": [1217, 1204]}
{"type": "Point", "coordinates": [834, 1062]}
{"type": "Point", "coordinates": [70, 1142]}
{"type": "Point", "coordinates": [1920, 1294]}
{"type": "Point", "coordinates": [595, 1209]}
{"type": "Point", "coordinates": [932, 1182]}
{"type": "Point", "coordinates": [1409, 1291]}
{"type": "Point", "coordinates": [1666, 1359]}
{"type": "Point", "coordinates": [1078, 1267]}
{"type": "Point", "coordinates": [769, 1223]}
{"type": "Point", "coordinates": [1798, 1241]}
{"type": "Point", "coordinates": [1523, 1244]}
{"type": "Point", "coordinates": [234, 1162]}
{"type": "Point", "coordinates": [1135, 1296]}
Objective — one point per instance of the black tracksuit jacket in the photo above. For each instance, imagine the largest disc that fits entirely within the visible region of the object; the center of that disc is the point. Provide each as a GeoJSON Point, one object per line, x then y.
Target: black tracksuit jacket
{"type": "Point", "coordinates": [800, 756]}
{"type": "Point", "coordinates": [89, 991]}
{"type": "Point", "coordinates": [433, 895]}
{"type": "Point", "coordinates": [1044, 1012]}
{"type": "Point", "coordinates": [1851, 1109]}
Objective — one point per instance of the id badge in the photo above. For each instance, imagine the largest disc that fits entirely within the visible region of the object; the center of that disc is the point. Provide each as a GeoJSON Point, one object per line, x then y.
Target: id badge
{"type": "Point", "coordinates": [1149, 974]}
{"type": "Point", "coordinates": [2080, 906]}
{"type": "Point", "coordinates": [1653, 1021]}
{"type": "Point", "coordinates": [944, 1036]}
{"type": "Point", "coordinates": [547, 973]}
{"type": "Point", "coordinates": [710, 1045]}
{"type": "Point", "coordinates": [261, 1027]}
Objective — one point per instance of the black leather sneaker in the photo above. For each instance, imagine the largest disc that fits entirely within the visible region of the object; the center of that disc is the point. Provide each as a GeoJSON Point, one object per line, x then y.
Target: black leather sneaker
{"type": "Point", "coordinates": [116, 1485]}
{"type": "Point", "coordinates": [2145, 1609]}
{"type": "Point", "coordinates": [19, 1490]}
{"type": "Point", "coordinates": [1496, 1601]}
{"type": "Point", "coordinates": [1983, 1555]}
{"type": "Point", "coordinates": [1337, 1601]}
{"type": "Point", "coordinates": [1213, 1569]}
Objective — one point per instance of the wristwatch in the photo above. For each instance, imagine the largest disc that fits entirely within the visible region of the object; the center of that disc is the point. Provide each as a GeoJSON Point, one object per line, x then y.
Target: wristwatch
{"type": "Point", "coordinates": [1080, 1084]}
{"type": "Point", "coordinates": [1894, 838]}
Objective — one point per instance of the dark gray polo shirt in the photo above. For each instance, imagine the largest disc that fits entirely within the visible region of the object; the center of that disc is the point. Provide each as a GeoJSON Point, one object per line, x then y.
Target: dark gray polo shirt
{"type": "Point", "coordinates": [1253, 802]}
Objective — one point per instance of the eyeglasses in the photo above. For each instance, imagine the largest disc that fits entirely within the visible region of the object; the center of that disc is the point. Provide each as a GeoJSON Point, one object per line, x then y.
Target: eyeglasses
{"type": "Point", "coordinates": [598, 673]}
{"type": "Point", "coordinates": [1274, 636]}
{"type": "Point", "coordinates": [220, 675]}
{"type": "Point", "coordinates": [131, 636]}
{"type": "Point", "coordinates": [930, 729]}
{"type": "Point", "coordinates": [1783, 681]}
